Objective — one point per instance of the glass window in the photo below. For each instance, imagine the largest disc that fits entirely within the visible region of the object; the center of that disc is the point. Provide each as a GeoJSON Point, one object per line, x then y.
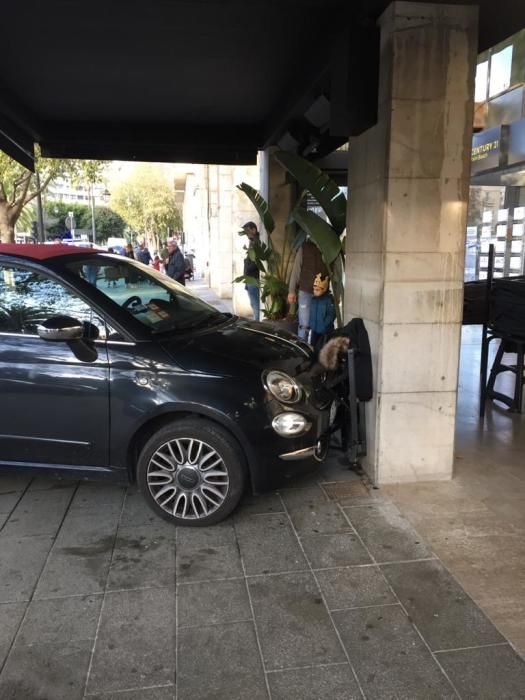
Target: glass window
{"type": "Point", "coordinates": [28, 298]}
{"type": "Point", "coordinates": [500, 70]}
{"type": "Point", "coordinates": [149, 296]}
{"type": "Point", "coordinates": [482, 72]}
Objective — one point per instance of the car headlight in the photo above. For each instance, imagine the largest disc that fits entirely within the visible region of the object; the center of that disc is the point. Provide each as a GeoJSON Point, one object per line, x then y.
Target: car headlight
{"type": "Point", "coordinates": [290, 424]}
{"type": "Point", "coordinates": [283, 387]}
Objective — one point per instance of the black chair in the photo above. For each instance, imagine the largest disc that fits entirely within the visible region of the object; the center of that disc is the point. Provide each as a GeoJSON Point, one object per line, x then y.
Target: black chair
{"type": "Point", "coordinates": [509, 344]}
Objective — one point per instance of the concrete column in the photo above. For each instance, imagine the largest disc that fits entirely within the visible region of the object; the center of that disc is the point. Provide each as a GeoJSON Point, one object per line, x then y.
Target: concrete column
{"type": "Point", "coordinates": [408, 180]}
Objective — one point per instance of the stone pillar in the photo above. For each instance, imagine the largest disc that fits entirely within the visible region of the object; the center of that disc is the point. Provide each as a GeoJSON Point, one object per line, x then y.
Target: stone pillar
{"type": "Point", "coordinates": [408, 182]}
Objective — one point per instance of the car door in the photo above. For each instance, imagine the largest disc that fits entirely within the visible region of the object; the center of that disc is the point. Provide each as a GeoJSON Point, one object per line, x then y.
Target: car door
{"type": "Point", "coordinates": [54, 397]}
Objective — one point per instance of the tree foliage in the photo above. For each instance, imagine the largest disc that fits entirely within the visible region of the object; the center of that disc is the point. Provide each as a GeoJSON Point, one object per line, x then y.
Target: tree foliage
{"type": "Point", "coordinates": [146, 201]}
{"type": "Point", "coordinates": [18, 186]}
{"type": "Point", "coordinates": [107, 222]}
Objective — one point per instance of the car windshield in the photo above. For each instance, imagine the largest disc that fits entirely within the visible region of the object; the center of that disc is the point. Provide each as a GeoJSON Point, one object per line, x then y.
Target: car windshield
{"type": "Point", "coordinates": [150, 297]}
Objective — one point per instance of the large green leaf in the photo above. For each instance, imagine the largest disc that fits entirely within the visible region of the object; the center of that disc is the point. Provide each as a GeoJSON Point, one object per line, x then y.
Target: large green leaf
{"type": "Point", "coordinates": [319, 184]}
{"type": "Point", "coordinates": [260, 204]}
{"type": "Point", "coordinates": [321, 233]}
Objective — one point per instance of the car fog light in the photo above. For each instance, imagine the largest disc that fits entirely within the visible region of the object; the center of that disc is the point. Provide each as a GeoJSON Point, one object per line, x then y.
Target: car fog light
{"type": "Point", "coordinates": [290, 424]}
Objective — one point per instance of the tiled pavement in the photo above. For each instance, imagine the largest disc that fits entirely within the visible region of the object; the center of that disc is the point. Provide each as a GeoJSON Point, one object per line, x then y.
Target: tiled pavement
{"type": "Point", "coordinates": [323, 590]}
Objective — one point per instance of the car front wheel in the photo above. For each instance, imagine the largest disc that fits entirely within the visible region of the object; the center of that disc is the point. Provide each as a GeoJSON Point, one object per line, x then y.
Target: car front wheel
{"type": "Point", "coordinates": [191, 472]}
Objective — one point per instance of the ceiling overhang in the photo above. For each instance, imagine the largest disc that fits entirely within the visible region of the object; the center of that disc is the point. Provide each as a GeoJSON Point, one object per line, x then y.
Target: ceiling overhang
{"type": "Point", "coordinates": [207, 81]}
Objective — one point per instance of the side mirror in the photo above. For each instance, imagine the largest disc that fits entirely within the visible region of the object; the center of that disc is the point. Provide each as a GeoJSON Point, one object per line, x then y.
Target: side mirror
{"type": "Point", "coordinates": [61, 328]}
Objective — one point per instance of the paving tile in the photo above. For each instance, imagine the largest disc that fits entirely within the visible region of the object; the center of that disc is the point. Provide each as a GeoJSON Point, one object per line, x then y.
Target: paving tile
{"type": "Point", "coordinates": [389, 657]}
{"type": "Point", "coordinates": [8, 501]}
{"type": "Point", "coordinates": [73, 571]}
{"type": "Point", "coordinates": [305, 496]}
{"type": "Point", "coordinates": [509, 618]}
{"type": "Point", "coordinates": [444, 614]}
{"type": "Point", "coordinates": [336, 682]}
{"type": "Point", "coordinates": [159, 693]}
{"type": "Point", "coordinates": [387, 535]}
{"type": "Point", "coordinates": [207, 553]}
{"type": "Point", "coordinates": [325, 551]}
{"type": "Point", "coordinates": [220, 535]}
{"type": "Point", "coordinates": [60, 620]}
{"type": "Point", "coordinates": [336, 468]}
{"type": "Point", "coordinates": [352, 493]}
{"type": "Point", "coordinates": [55, 480]}
{"type": "Point", "coordinates": [21, 561]}
{"type": "Point", "coordinates": [11, 615]}
{"type": "Point", "coordinates": [354, 586]}
{"type": "Point", "coordinates": [38, 513]}
{"type": "Point", "coordinates": [488, 672]}
{"type": "Point", "coordinates": [301, 481]}
{"type": "Point", "coordinates": [87, 531]}
{"type": "Point", "coordinates": [93, 495]}
{"type": "Point", "coordinates": [135, 510]}
{"type": "Point", "coordinates": [219, 661]}
{"type": "Point", "coordinates": [136, 641]}
{"type": "Point", "coordinates": [213, 602]}
{"type": "Point", "coordinates": [143, 556]}
{"type": "Point", "coordinates": [254, 505]}
{"type": "Point", "coordinates": [268, 544]}
{"type": "Point", "coordinates": [293, 624]}
{"type": "Point", "coordinates": [318, 519]}
{"type": "Point", "coordinates": [11, 481]}
{"type": "Point", "coordinates": [44, 671]}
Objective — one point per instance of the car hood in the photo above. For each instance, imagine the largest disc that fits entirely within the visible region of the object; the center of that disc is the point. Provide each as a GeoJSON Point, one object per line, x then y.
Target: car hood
{"type": "Point", "coordinates": [236, 345]}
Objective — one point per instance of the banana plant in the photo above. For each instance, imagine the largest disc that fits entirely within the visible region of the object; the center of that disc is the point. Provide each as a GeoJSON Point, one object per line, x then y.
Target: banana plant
{"type": "Point", "coordinates": [274, 265]}
{"type": "Point", "coordinates": [319, 184]}
{"type": "Point", "coordinates": [326, 236]}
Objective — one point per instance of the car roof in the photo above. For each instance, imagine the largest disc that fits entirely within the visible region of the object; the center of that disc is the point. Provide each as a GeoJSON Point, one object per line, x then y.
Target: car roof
{"type": "Point", "coordinates": [41, 251]}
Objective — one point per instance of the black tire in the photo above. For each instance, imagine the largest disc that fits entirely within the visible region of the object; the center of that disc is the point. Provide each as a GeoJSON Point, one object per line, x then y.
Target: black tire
{"type": "Point", "coordinates": [182, 485]}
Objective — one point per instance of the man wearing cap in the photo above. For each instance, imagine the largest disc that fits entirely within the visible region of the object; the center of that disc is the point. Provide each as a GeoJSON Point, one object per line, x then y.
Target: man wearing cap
{"type": "Point", "coordinates": [175, 265]}
{"type": "Point", "coordinates": [251, 269]}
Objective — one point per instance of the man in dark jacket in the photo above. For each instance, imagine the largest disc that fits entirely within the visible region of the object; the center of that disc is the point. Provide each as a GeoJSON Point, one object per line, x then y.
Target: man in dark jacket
{"type": "Point", "coordinates": [175, 265]}
{"type": "Point", "coordinates": [251, 270]}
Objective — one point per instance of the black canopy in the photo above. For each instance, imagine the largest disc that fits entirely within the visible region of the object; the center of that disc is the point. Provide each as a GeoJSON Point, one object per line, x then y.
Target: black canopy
{"type": "Point", "coordinates": [194, 80]}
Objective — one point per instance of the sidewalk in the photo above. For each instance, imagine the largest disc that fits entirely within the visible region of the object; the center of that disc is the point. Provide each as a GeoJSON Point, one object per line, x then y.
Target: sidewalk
{"type": "Point", "coordinates": [321, 590]}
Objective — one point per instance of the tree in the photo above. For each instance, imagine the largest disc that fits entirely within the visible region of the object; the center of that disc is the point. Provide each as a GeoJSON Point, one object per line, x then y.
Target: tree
{"type": "Point", "coordinates": [146, 201]}
{"type": "Point", "coordinates": [55, 215]}
{"type": "Point", "coordinates": [107, 222]}
{"type": "Point", "coordinates": [18, 186]}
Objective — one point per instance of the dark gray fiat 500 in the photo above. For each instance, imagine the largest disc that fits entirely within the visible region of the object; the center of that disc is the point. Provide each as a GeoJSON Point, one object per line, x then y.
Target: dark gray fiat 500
{"type": "Point", "coordinates": [110, 368]}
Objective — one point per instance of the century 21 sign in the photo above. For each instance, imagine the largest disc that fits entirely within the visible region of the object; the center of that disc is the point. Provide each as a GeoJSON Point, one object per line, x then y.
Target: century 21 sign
{"type": "Point", "coordinates": [483, 151]}
{"type": "Point", "coordinates": [486, 150]}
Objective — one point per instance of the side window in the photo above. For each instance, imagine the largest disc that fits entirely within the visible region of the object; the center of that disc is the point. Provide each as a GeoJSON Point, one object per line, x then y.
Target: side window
{"type": "Point", "coordinates": [27, 298]}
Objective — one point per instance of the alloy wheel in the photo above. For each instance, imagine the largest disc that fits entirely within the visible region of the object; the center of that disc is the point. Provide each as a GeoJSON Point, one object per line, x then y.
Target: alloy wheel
{"type": "Point", "coordinates": [187, 478]}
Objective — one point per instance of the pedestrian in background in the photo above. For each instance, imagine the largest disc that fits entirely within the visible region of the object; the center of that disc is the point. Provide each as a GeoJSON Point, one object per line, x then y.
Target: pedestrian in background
{"type": "Point", "coordinates": [142, 253]}
{"type": "Point", "coordinates": [307, 264]}
{"type": "Point", "coordinates": [251, 270]}
{"type": "Point", "coordinates": [175, 265]}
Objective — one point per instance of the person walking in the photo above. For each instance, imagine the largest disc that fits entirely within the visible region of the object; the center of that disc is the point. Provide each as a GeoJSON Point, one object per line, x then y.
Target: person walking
{"type": "Point", "coordinates": [175, 265]}
{"type": "Point", "coordinates": [307, 264]}
{"type": "Point", "coordinates": [142, 253]}
{"type": "Point", "coordinates": [251, 270]}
